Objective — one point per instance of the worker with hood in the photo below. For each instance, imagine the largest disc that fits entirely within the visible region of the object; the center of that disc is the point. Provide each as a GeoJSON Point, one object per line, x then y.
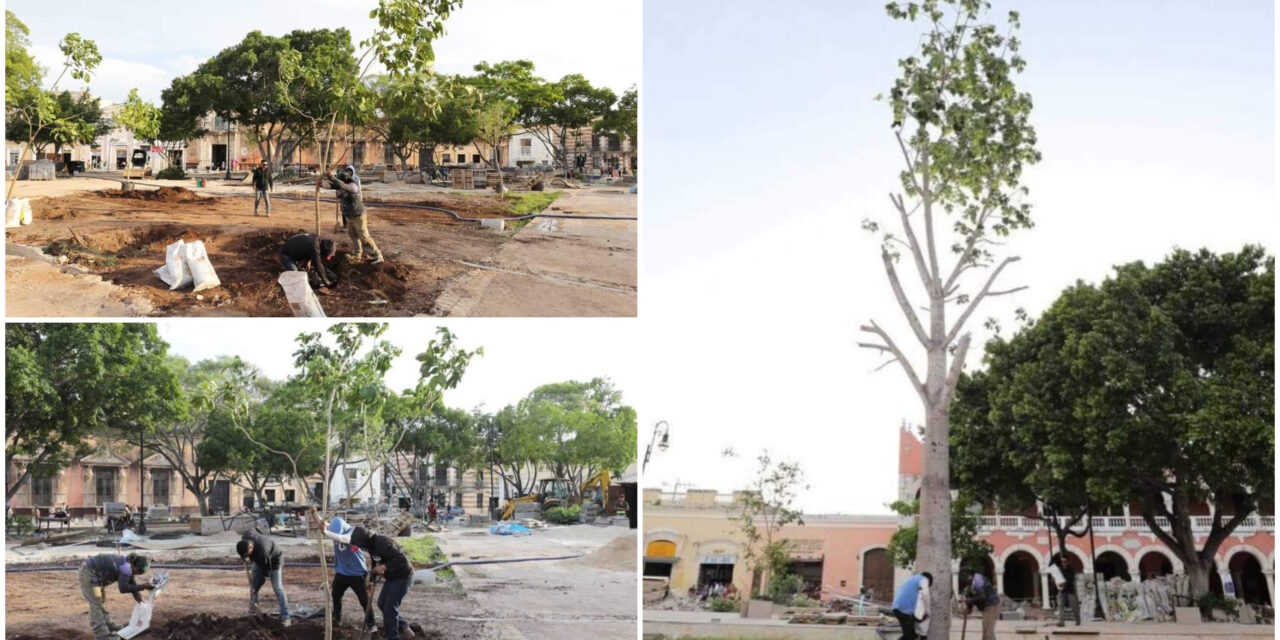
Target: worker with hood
{"type": "Point", "coordinates": [350, 571]}
{"type": "Point", "coordinates": [96, 573]}
{"type": "Point", "coordinates": [351, 203]}
{"type": "Point", "coordinates": [391, 563]}
{"type": "Point", "coordinates": [267, 559]}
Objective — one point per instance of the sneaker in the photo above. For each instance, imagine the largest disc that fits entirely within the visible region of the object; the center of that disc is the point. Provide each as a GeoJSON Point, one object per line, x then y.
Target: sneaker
{"type": "Point", "coordinates": [370, 626]}
{"type": "Point", "coordinates": [253, 609]}
{"type": "Point", "coordinates": [113, 627]}
{"type": "Point", "coordinates": [380, 260]}
{"type": "Point", "coordinates": [287, 622]}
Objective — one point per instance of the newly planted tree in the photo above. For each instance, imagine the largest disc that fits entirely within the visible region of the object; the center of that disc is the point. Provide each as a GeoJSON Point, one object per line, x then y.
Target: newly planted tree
{"type": "Point", "coordinates": [495, 122]}
{"type": "Point", "coordinates": [142, 120]}
{"type": "Point", "coordinates": [33, 110]}
{"type": "Point", "coordinates": [762, 509]}
{"type": "Point", "coordinates": [962, 128]}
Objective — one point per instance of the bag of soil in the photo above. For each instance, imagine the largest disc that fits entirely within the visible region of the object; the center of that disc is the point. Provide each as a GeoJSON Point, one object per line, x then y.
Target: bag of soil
{"type": "Point", "coordinates": [302, 300]}
{"type": "Point", "coordinates": [201, 269]}
{"type": "Point", "coordinates": [174, 272]}
{"type": "Point", "coordinates": [12, 213]}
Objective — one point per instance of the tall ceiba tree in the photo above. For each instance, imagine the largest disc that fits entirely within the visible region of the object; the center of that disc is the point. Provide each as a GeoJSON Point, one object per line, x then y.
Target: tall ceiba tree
{"type": "Point", "coordinates": [1162, 381]}
{"type": "Point", "coordinates": [962, 128]}
{"type": "Point", "coordinates": [66, 382]}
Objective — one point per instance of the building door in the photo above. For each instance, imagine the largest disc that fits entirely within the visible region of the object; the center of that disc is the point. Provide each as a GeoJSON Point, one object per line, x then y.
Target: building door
{"type": "Point", "coordinates": [810, 572]}
{"type": "Point", "coordinates": [1022, 577]}
{"type": "Point", "coordinates": [877, 575]}
{"type": "Point", "coordinates": [220, 498]}
{"type": "Point", "coordinates": [219, 156]}
{"type": "Point", "coordinates": [709, 574]}
{"type": "Point", "coordinates": [1112, 565]}
{"type": "Point", "coordinates": [1251, 583]}
{"type": "Point", "coordinates": [160, 486]}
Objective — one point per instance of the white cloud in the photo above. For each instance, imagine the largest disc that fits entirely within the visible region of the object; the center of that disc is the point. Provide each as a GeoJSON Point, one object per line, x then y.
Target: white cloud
{"type": "Point", "coordinates": [111, 79]}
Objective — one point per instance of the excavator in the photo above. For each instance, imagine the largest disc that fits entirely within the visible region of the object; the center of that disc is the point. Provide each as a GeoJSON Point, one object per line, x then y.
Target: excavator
{"type": "Point", "coordinates": [552, 492]}
{"type": "Point", "coordinates": [598, 485]}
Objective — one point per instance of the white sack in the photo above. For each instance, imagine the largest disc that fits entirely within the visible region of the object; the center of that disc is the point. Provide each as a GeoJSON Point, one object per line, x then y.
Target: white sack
{"type": "Point", "coordinates": [202, 272]}
{"type": "Point", "coordinates": [302, 300]}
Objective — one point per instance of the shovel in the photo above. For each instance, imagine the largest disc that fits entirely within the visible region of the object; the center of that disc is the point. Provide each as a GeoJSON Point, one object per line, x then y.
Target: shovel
{"type": "Point", "coordinates": [367, 633]}
{"type": "Point", "coordinates": [249, 578]}
{"type": "Point", "coordinates": [964, 624]}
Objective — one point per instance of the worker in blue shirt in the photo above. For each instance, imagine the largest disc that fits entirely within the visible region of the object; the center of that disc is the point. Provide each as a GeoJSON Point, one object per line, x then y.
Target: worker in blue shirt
{"type": "Point", "coordinates": [350, 571]}
{"type": "Point", "coordinates": [912, 599]}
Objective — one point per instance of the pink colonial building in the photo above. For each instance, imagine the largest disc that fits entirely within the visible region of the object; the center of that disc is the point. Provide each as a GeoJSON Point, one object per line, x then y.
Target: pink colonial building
{"type": "Point", "coordinates": [691, 542]}
{"type": "Point", "coordinates": [1123, 545]}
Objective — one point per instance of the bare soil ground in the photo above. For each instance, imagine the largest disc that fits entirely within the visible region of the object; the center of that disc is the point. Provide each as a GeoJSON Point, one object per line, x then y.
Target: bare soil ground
{"type": "Point", "coordinates": [435, 265]}
{"type": "Point", "coordinates": [122, 236]}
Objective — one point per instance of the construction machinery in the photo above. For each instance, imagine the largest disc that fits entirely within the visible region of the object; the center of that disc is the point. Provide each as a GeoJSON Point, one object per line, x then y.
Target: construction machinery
{"type": "Point", "coordinates": [596, 490]}
{"type": "Point", "coordinates": [551, 492]}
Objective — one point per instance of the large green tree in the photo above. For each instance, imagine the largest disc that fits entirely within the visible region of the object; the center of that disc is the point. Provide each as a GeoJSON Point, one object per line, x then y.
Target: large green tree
{"type": "Point", "coordinates": [405, 126]}
{"type": "Point", "coordinates": [21, 73]}
{"type": "Point", "coordinates": [587, 426]}
{"type": "Point", "coordinates": [1165, 374]}
{"type": "Point", "coordinates": [966, 546]}
{"type": "Point", "coordinates": [962, 128]}
{"type": "Point", "coordinates": [66, 382]}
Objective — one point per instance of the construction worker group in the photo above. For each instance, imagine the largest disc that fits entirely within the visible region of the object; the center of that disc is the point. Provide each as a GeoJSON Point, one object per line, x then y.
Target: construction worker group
{"type": "Point", "coordinates": [386, 563]}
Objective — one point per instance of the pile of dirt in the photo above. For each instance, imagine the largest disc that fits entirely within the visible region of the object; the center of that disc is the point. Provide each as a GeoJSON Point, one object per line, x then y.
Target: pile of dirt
{"type": "Point", "coordinates": [203, 626]}
{"type": "Point", "coordinates": [618, 555]}
{"type": "Point", "coordinates": [163, 194]}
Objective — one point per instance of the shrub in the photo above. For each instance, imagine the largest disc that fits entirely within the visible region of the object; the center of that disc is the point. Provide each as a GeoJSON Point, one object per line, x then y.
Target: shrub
{"type": "Point", "coordinates": [18, 525]}
{"type": "Point", "coordinates": [801, 600]}
{"type": "Point", "coordinates": [783, 587]}
{"type": "Point", "coordinates": [723, 605]}
{"type": "Point", "coordinates": [1210, 601]}
{"type": "Point", "coordinates": [172, 173]}
{"type": "Point", "coordinates": [562, 515]}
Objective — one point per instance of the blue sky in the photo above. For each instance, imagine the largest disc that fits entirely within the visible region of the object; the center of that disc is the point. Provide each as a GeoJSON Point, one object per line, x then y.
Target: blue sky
{"type": "Point", "coordinates": [147, 43]}
{"type": "Point", "coordinates": [763, 150]}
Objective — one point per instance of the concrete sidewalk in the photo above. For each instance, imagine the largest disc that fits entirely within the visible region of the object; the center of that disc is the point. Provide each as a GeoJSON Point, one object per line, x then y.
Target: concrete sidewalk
{"type": "Point", "coordinates": [558, 267]}
{"type": "Point", "coordinates": [706, 624]}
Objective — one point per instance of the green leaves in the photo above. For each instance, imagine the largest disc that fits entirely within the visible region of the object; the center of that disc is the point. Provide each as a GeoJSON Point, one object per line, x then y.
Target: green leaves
{"type": "Point", "coordinates": [406, 31]}
{"type": "Point", "coordinates": [139, 117]}
{"type": "Point", "coordinates": [81, 55]}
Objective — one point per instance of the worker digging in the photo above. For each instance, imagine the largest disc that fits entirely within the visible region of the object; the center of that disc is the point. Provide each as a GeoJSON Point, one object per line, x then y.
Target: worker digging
{"type": "Point", "coordinates": [267, 559]}
{"type": "Point", "coordinates": [97, 574]}
{"type": "Point", "coordinates": [346, 188]}
{"type": "Point", "coordinates": [390, 564]}
{"type": "Point", "coordinates": [308, 252]}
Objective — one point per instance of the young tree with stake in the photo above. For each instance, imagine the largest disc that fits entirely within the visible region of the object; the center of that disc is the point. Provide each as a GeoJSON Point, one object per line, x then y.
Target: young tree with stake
{"type": "Point", "coordinates": [963, 131]}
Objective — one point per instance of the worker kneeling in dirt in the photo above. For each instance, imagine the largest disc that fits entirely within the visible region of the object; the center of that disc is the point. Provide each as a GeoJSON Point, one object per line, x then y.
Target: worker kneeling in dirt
{"type": "Point", "coordinates": [352, 205]}
{"type": "Point", "coordinates": [267, 560]}
{"type": "Point", "coordinates": [97, 573]}
{"type": "Point", "coordinates": [390, 563]}
{"type": "Point", "coordinates": [307, 252]}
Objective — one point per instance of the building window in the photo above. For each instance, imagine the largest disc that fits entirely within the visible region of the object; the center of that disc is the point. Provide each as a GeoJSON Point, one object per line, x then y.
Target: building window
{"type": "Point", "coordinates": [615, 143]}
{"type": "Point", "coordinates": [289, 495]}
{"type": "Point", "coordinates": [442, 474]}
{"type": "Point", "coordinates": [475, 157]}
{"type": "Point", "coordinates": [41, 491]}
{"type": "Point", "coordinates": [447, 158]}
{"type": "Point", "coordinates": [104, 482]}
{"type": "Point", "coordinates": [388, 155]}
{"type": "Point", "coordinates": [13, 157]}
{"type": "Point", "coordinates": [457, 499]}
{"type": "Point", "coordinates": [479, 479]}
{"type": "Point", "coordinates": [271, 496]}
{"type": "Point", "coordinates": [160, 486]}
{"type": "Point", "coordinates": [480, 501]}
{"type": "Point", "coordinates": [357, 154]}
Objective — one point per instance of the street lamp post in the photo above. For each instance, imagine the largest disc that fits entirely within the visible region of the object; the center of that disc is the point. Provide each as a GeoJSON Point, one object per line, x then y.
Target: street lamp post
{"type": "Point", "coordinates": [663, 428]}
{"type": "Point", "coordinates": [228, 160]}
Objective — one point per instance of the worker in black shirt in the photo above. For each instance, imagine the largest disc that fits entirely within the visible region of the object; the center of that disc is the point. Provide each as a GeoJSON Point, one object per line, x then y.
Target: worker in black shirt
{"type": "Point", "coordinates": [307, 252]}
{"type": "Point", "coordinates": [267, 559]}
{"type": "Point", "coordinates": [101, 570]}
{"type": "Point", "coordinates": [393, 566]}
{"type": "Point", "coordinates": [262, 185]}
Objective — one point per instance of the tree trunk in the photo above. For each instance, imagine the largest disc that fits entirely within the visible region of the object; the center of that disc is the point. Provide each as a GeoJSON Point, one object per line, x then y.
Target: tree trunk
{"type": "Point", "coordinates": [203, 501]}
{"type": "Point", "coordinates": [17, 486]}
{"type": "Point", "coordinates": [933, 548]}
{"type": "Point", "coordinates": [1198, 573]}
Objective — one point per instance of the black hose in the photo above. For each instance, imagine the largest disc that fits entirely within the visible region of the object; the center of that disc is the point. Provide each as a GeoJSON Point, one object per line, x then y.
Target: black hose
{"type": "Point", "coordinates": [305, 565]}
{"type": "Point", "coordinates": [395, 205]}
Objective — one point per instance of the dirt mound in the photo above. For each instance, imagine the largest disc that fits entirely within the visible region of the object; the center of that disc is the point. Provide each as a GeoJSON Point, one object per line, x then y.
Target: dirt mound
{"type": "Point", "coordinates": [203, 626]}
{"type": "Point", "coordinates": [163, 194]}
{"type": "Point", "coordinates": [618, 555]}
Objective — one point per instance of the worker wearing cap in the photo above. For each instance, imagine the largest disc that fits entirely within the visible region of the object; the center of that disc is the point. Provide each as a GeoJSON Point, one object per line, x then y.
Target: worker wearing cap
{"type": "Point", "coordinates": [267, 559]}
{"type": "Point", "coordinates": [392, 564]}
{"type": "Point", "coordinates": [350, 571]}
{"type": "Point", "coordinates": [101, 570]}
{"type": "Point", "coordinates": [350, 201]}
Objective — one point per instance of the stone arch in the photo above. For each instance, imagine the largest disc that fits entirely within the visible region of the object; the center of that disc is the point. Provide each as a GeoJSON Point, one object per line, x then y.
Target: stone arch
{"type": "Point", "coordinates": [876, 572]}
{"type": "Point", "coordinates": [1122, 555]}
{"type": "Point", "coordinates": [1248, 572]}
{"type": "Point", "coordinates": [1021, 569]}
{"type": "Point", "coordinates": [1227, 555]}
{"type": "Point", "coordinates": [667, 535]}
{"type": "Point", "coordinates": [1142, 558]}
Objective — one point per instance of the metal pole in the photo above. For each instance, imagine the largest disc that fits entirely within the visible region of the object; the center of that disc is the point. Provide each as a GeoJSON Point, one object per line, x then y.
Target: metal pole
{"type": "Point", "coordinates": [228, 159]}
{"type": "Point", "coordinates": [1093, 559]}
{"type": "Point", "coordinates": [648, 451]}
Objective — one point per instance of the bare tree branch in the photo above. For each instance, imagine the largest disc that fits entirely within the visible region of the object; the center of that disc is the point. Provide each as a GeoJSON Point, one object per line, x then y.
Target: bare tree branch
{"type": "Point", "coordinates": [891, 347]}
{"type": "Point", "coordinates": [986, 288]}
{"type": "Point", "coordinates": [903, 302]}
{"type": "Point", "coordinates": [910, 232]}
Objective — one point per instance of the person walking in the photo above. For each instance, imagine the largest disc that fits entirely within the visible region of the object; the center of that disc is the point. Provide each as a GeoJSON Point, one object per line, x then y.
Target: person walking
{"type": "Point", "coordinates": [96, 573]}
{"type": "Point", "coordinates": [911, 604]}
{"type": "Point", "coordinates": [1065, 579]}
{"type": "Point", "coordinates": [982, 595]}
{"type": "Point", "coordinates": [268, 560]}
{"type": "Point", "coordinates": [263, 184]}
{"type": "Point", "coordinates": [351, 204]}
